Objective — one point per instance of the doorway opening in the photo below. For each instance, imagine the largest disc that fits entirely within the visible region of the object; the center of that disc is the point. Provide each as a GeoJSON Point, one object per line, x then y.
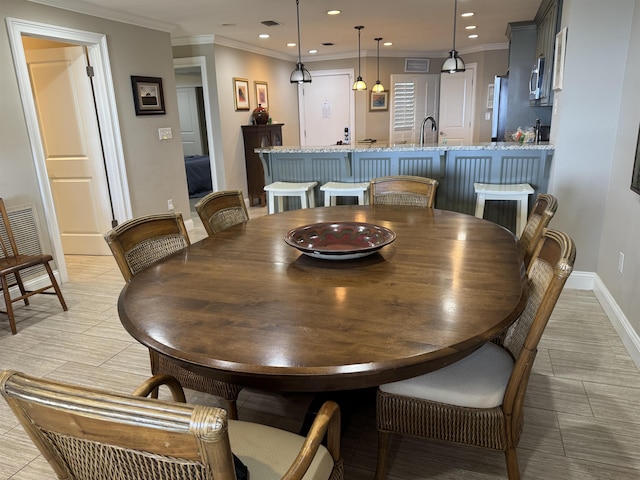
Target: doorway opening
{"type": "Point", "coordinates": [113, 167]}
{"type": "Point", "coordinates": [196, 127]}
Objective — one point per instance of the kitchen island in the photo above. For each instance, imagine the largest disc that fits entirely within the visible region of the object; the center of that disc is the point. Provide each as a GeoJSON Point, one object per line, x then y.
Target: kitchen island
{"type": "Point", "coordinates": [455, 167]}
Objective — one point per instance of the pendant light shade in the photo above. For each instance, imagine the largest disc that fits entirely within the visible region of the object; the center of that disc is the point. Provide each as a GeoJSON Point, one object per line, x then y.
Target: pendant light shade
{"type": "Point", "coordinates": [454, 63]}
{"type": "Point", "coordinates": [378, 87]}
{"type": "Point", "coordinates": [299, 74]}
{"type": "Point", "coordinates": [359, 85]}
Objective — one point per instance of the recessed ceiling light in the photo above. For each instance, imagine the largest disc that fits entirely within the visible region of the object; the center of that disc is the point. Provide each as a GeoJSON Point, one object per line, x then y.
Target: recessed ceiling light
{"type": "Point", "coordinates": [334, 12]}
{"type": "Point", "coordinates": [313, 51]}
{"type": "Point", "coordinates": [470, 27]}
{"type": "Point", "coordinates": [468, 14]}
{"type": "Point", "coordinates": [291, 44]}
{"type": "Point", "coordinates": [387, 44]}
{"type": "Point", "coordinates": [264, 35]}
{"type": "Point", "coordinates": [473, 36]}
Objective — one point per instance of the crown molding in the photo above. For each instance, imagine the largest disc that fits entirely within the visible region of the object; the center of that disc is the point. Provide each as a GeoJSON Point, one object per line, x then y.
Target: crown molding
{"type": "Point", "coordinates": [96, 11]}
{"type": "Point", "coordinates": [228, 42]}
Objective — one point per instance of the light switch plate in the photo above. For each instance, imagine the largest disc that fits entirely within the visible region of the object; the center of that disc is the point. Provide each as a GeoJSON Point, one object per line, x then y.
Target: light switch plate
{"type": "Point", "coordinates": [165, 133]}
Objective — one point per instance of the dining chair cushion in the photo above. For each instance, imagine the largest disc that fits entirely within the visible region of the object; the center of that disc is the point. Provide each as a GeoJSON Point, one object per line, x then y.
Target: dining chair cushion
{"type": "Point", "coordinates": [273, 451]}
{"type": "Point", "coordinates": [478, 380]}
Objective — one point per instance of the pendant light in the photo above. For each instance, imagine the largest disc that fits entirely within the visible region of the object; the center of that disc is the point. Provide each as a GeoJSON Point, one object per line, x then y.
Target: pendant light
{"type": "Point", "coordinates": [299, 74]}
{"type": "Point", "coordinates": [454, 63]}
{"type": "Point", "coordinates": [378, 87]}
{"type": "Point", "coordinates": [359, 85]}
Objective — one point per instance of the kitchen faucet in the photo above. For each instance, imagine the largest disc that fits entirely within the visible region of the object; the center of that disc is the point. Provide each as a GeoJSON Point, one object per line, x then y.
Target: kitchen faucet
{"type": "Point", "coordinates": [434, 127]}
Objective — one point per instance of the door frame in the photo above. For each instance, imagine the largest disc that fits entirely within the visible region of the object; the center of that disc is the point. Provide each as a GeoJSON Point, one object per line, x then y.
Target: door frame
{"type": "Point", "coordinates": [107, 115]}
{"type": "Point", "coordinates": [352, 103]}
{"type": "Point", "coordinates": [217, 171]}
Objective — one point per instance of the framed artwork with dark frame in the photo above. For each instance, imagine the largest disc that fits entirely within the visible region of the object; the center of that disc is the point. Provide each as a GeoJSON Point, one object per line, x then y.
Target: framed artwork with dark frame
{"type": "Point", "coordinates": [240, 93]}
{"type": "Point", "coordinates": [635, 178]}
{"type": "Point", "coordinates": [262, 93]}
{"type": "Point", "coordinates": [148, 97]}
{"type": "Point", "coordinates": [379, 101]}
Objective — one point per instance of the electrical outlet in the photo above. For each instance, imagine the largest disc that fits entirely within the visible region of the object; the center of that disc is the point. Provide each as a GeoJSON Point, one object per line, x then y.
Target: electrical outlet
{"type": "Point", "coordinates": [170, 204]}
{"type": "Point", "coordinates": [621, 262]}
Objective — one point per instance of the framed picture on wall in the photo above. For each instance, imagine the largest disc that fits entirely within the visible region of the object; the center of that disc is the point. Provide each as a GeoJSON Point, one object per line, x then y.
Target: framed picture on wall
{"type": "Point", "coordinates": [635, 177]}
{"type": "Point", "coordinates": [148, 98]}
{"type": "Point", "coordinates": [262, 93]}
{"type": "Point", "coordinates": [379, 101]}
{"type": "Point", "coordinates": [241, 93]}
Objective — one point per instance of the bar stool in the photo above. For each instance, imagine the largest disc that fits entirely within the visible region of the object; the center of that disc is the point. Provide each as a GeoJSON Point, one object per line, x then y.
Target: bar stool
{"type": "Point", "coordinates": [289, 189]}
{"type": "Point", "coordinates": [341, 189]}
{"type": "Point", "coordinates": [519, 192]}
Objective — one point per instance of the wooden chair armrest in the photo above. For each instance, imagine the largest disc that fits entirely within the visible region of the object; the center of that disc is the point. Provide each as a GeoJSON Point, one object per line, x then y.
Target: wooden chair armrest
{"type": "Point", "coordinates": [153, 383]}
{"type": "Point", "coordinates": [327, 422]}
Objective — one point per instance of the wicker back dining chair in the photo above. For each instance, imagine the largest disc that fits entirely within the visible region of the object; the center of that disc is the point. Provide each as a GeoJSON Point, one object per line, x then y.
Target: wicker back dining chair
{"type": "Point", "coordinates": [479, 400]}
{"type": "Point", "coordinates": [86, 433]}
{"type": "Point", "coordinates": [12, 262]}
{"type": "Point", "coordinates": [140, 242]}
{"type": "Point", "coordinates": [541, 214]}
{"type": "Point", "coordinates": [221, 210]}
{"type": "Point", "coordinates": [407, 190]}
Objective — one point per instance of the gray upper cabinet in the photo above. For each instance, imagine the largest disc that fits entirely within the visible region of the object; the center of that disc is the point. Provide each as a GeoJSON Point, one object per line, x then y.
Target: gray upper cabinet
{"type": "Point", "coordinates": [548, 22]}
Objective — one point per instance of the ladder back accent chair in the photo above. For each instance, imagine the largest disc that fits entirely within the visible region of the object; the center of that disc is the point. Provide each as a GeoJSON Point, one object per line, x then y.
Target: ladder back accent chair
{"type": "Point", "coordinates": [137, 244]}
{"type": "Point", "coordinates": [409, 190]}
{"type": "Point", "coordinates": [479, 400]}
{"type": "Point", "coordinates": [221, 210]}
{"type": "Point", "coordinates": [12, 262]}
{"type": "Point", "coordinates": [86, 433]}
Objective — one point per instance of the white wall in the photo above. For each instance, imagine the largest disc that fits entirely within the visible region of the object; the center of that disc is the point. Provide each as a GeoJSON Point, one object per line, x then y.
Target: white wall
{"type": "Point", "coordinates": [621, 224]}
{"type": "Point", "coordinates": [584, 128]}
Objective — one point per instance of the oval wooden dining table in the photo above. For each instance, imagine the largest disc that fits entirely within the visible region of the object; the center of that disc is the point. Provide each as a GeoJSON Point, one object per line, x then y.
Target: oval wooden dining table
{"type": "Point", "coordinates": [245, 307]}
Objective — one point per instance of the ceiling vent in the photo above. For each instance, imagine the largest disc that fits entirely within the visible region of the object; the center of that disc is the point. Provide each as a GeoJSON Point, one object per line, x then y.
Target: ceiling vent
{"type": "Point", "coordinates": [270, 23]}
{"type": "Point", "coordinates": [416, 65]}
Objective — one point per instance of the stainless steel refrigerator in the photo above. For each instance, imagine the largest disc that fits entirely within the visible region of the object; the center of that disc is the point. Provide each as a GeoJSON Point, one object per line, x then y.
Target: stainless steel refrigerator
{"type": "Point", "coordinates": [500, 96]}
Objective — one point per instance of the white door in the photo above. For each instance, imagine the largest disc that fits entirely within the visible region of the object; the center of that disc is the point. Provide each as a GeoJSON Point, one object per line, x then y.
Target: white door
{"type": "Point", "coordinates": [189, 121]}
{"type": "Point", "coordinates": [457, 94]}
{"type": "Point", "coordinates": [72, 149]}
{"type": "Point", "coordinates": [326, 108]}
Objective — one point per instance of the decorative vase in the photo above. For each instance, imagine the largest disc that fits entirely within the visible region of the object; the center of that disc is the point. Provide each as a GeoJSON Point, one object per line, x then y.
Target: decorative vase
{"type": "Point", "coordinates": [260, 115]}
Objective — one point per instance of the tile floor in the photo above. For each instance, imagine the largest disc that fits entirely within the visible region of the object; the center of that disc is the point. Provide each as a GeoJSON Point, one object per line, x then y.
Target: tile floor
{"type": "Point", "coordinates": [582, 406]}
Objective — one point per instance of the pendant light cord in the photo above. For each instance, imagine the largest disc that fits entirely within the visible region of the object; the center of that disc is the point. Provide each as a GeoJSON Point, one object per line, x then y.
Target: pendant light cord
{"type": "Point", "coordinates": [359, 71]}
{"type": "Point", "coordinates": [455, 14]}
{"type": "Point", "coordinates": [378, 40]}
{"type": "Point", "coordinates": [298, 18]}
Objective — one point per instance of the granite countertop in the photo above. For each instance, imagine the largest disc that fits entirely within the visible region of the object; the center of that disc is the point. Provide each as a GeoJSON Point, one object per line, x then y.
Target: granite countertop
{"type": "Point", "coordinates": [381, 147]}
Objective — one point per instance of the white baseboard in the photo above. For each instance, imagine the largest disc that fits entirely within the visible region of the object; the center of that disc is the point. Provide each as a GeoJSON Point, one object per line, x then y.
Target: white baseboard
{"type": "Point", "coordinates": [618, 319]}
{"type": "Point", "coordinates": [591, 281]}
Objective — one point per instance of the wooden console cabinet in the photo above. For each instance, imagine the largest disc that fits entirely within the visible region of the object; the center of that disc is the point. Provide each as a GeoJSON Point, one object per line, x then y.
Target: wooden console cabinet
{"type": "Point", "coordinates": [258, 136]}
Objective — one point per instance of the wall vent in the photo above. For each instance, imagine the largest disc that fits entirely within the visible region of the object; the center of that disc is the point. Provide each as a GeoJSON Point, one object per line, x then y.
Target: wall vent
{"type": "Point", "coordinates": [416, 65]}
{"type": "Point", "coordinates": [270, 23]}
{"type": "Point", "coordinates": [24, 224]}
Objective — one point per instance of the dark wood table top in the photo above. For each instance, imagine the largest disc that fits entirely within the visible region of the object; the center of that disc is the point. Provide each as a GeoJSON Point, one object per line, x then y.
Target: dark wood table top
{"type": "Point", "coordinates": [245, 307]}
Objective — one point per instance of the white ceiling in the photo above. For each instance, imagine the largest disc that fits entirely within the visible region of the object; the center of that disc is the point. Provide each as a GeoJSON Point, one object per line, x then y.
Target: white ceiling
{"type": "Point", "coordinates": [416, 27]}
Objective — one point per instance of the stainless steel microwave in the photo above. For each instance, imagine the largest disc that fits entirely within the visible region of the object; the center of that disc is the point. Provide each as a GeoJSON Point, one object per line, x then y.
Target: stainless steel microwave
{"type": "Point", "coordinates": [535, 81]}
